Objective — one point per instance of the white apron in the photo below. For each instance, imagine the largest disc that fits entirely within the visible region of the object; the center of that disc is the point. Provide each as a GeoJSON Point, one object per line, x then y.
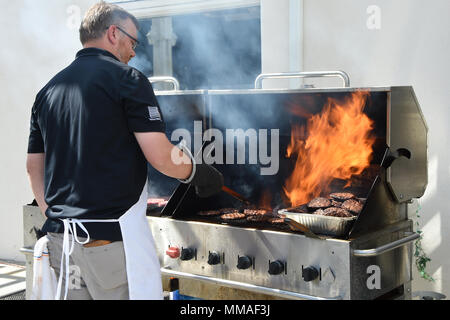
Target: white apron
{"type": "Point", "coordinates": [44, 277]}
{"type": "Point", "coordinates": [142, 264]}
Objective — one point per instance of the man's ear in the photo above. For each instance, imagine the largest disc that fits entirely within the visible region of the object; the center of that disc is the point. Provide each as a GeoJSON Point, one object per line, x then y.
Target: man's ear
{"type": "Point", "coordinates": [111, 35]}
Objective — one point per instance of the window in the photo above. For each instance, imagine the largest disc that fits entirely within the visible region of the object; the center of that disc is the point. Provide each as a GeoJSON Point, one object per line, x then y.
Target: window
{"type": "Point", "coordinates": [203, 50]}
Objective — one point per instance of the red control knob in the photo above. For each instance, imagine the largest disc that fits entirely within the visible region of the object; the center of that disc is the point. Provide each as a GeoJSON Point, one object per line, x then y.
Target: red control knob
{"type": "Point", "coordinates": [173, 252]}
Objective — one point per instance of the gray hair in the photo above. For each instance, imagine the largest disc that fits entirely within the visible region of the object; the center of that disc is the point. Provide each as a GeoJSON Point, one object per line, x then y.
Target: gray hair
{"type": "Point", "coordinates": [99, 17]}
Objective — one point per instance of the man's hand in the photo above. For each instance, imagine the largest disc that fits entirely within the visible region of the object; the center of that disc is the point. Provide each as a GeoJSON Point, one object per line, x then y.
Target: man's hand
{"type": "Point", "coordinates": [173, 162]}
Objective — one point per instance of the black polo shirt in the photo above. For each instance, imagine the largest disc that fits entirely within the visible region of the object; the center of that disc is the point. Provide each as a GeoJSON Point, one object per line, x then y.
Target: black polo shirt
{"type": "Point", "coordinates": [84, 120]}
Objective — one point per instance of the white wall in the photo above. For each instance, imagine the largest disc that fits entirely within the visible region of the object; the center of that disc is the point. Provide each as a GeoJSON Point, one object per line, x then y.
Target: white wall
{"type": "Point", "coordinates": [411, 47]}
{"type": "Point", "coordinates": [40, 41]}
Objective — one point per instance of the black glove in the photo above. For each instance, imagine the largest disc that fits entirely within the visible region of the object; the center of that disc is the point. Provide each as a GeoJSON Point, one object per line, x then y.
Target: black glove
{"type": "Point", "coordinates": [207, 180]}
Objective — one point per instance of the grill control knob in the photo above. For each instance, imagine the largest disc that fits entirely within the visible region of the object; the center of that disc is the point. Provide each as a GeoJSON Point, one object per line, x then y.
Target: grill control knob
{"type": "Point", "coordinates": [173, 252]}
{"type": "Point", "coordinates": [276, 267]}
{"type": "Point", "coordinates": [187, 254]}
{"type": "Point", "coordinates": [309, 273]}
{"type": "Point", "coordinates": [244, 262]}
{"type": "Point", "coordinates": [213, 258]}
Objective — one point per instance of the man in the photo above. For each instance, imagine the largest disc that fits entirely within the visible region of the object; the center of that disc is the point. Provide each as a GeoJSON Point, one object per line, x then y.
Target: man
{"type": "Point", "coordinates": [93, 128]}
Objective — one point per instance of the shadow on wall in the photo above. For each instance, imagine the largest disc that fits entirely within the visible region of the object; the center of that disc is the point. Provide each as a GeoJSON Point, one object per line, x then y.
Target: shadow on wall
{"type": "Point", "coordinates": [433, 220]}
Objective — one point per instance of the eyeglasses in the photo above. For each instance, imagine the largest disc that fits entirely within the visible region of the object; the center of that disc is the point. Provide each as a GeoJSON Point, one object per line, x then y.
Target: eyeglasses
{"type": "Point", "coordinates": [135, 43]}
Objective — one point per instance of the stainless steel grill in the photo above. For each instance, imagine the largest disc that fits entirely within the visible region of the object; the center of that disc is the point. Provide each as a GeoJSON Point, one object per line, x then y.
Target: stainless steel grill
{"type": "Point", "coordinates": [370, 260]}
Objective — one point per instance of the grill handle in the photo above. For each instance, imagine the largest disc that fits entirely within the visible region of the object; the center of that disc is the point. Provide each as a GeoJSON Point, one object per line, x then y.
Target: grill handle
{"type": "Point", "coordinates": [174, 81]}
{"type": "Point", "coordinates": [243, 286]}
{"type": "Point", "coordinates": [385, 248]}
{"type": "Point", "coordinates": [315, 74]}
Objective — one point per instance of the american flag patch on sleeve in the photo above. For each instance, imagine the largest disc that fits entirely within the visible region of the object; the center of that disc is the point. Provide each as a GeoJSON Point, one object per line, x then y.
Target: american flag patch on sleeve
{"type": "Point", "coordinates": [154, 114]}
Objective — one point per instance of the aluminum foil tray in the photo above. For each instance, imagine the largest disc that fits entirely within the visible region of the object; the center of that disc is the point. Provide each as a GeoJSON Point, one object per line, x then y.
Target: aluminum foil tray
{"type": "Point", "coordinates": [331, 226]}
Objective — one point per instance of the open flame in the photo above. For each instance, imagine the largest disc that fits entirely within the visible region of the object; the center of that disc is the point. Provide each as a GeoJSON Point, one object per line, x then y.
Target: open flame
{"type": "Point", "coordinates": [335, 144]}
{"type": "Point", "coordinates": [265, 200]}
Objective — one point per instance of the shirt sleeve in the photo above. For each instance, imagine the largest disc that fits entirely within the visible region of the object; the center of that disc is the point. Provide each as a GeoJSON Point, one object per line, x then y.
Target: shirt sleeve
{"type": "Point", "coordinates": [141, 107]}
{"type": "Point", "coordinates": [35, 141]}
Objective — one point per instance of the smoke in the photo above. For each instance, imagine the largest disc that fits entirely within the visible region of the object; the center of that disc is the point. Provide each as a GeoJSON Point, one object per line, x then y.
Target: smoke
{"type": "Point", "coordinates": [142, 63]}
{"type": "Point", "coordinates": [223, 48]}
{"type": "Point", "coordinates": [215, 50]}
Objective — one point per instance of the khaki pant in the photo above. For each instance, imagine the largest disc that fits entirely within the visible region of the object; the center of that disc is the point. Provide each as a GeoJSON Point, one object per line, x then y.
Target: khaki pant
{"type": "Point", "coordinates": [95, 273]}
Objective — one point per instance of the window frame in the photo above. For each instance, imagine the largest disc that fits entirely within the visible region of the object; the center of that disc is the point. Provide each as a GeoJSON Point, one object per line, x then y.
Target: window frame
{"type": "Point", "coordinates": [165, 8]}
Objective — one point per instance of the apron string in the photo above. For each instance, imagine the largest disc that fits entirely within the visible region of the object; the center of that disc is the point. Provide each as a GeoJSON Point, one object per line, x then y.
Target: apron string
{"type": "Point", "coordinates": [70, 227]}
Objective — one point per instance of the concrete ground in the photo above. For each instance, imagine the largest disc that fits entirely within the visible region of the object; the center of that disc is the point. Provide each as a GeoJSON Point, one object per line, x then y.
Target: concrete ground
{"type": "Point", "coordinates": [12, 280]}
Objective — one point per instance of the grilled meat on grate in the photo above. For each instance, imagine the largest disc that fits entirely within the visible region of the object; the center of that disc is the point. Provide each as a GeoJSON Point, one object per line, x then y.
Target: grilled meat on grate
{"type": "Point", "coordinates": [228, 210]}
{"type": "Point", "coordinates": [209, 213]}
{"type": "Point", "coordinates": [254, 212]}
{"type": "Point", "coordinates": [232, 216]}
{"type": "Point", "coordinates": [276, 221]}
{"type": "Point", "coordinates": [258, 218]}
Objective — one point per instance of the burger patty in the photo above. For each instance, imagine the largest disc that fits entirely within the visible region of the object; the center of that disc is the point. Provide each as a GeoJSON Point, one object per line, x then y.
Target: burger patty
{"type": "Point", "coordinates": [319, 211]}
{"type": "Point", "coordinates": [336, 204]}
{"type": "Point", "coordinates": [232, 216]}
{"type": "Point", "coordinates": [255, 212]}
{"type": "Point", "coordinates": [336, 212]}
{"type": "Point", "coordinates": [352, 205]}
{"type": "Point", "coordinates": [258, 218]}
{"type": "Point", "coordinates": [276, 220]}
{"type": "Point", "coordinates": [228, 210]}
{"type": "Point", "coordinates": [342, 196]}
{"type": "Point", "coordinates": [300, 209]}
{"type": "Point", "coordinates": [318, 203]}
{"type": "Point", "coordinates": [209, 213]}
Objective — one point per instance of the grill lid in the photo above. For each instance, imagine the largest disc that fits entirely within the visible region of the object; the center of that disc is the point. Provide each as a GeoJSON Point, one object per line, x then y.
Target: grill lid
{"type": "Point", "coordinates": [398, 170]}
